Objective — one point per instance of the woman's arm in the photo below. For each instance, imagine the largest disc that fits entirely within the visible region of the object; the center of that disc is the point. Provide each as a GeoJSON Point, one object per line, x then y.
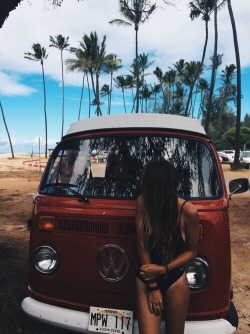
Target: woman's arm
{"type": "Point", "coordinates": [154, 297]}
{"type": "Point", "coordinates": [192, 235]}
{"type": "Point", "coordinates": [143, 254]}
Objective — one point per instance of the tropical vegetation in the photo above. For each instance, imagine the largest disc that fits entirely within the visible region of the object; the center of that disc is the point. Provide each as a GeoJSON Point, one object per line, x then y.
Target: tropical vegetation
{"type": "Point", "coordinates": [7, 130]}
{"type": "Point", "coordinates": [61, 43]}
{"type": "Point", "coordinates": [40, 54]}
{"type": "Point", "coordinates": [188, 88]}
{"type": "Point", "coordinates": [136, 12]}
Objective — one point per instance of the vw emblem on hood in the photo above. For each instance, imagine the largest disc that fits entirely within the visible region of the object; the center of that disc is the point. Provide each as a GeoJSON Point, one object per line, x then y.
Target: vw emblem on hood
{"type": "Point", "coordinates": [112, 263]}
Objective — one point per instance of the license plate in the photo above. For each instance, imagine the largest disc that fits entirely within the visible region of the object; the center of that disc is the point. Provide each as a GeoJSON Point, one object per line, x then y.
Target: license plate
{"type": "Point", "coordinates": [103, 320]}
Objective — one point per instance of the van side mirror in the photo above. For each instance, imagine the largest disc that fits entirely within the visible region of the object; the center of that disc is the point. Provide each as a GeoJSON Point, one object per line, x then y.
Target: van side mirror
{"type": "Point", "coordinates": [238, 186]}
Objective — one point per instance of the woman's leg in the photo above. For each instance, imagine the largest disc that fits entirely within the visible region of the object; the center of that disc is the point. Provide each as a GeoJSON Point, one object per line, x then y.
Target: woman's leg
{"type": "Point", "coordinates": [148, 322]}
{"type": "Point", "coordinates": [176, 305]}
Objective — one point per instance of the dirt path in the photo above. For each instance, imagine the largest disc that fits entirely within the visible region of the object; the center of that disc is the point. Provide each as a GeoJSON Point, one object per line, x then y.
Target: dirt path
{"type": "Point", "coordinates": [16, 187]}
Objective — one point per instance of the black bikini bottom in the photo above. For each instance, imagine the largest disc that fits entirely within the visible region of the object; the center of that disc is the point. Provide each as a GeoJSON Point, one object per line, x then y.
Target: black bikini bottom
{"type": "Point", "coordinates": [163, 282]}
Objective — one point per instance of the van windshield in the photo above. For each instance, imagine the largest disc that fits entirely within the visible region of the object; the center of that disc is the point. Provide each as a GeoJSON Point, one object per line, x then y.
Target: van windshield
{"type": "Point", "coordinates": [111, 166]}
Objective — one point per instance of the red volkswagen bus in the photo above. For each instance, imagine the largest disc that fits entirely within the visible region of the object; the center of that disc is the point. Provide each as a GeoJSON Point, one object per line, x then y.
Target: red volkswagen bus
{"type": "Point", "coordinates": [82, 229]}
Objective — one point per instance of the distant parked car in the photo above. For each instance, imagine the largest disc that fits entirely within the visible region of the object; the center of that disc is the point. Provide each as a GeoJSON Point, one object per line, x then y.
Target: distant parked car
{"type": "Point", "coordinates": [245, 157]}
{"type": "Point", "coordinates": [223, 156]}
{"type": "Point", "coordinates": [229, 153]}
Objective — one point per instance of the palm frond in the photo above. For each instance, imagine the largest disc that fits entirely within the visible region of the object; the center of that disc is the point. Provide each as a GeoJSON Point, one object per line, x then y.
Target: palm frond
{"type": "Point", "coordinates": [120, 22]}
{"type": "Point", "coordinates": [30, 56]}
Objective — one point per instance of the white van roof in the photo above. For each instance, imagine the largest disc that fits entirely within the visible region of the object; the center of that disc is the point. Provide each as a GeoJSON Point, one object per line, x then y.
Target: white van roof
{"type": "Point", "coordinates": [140, 120]}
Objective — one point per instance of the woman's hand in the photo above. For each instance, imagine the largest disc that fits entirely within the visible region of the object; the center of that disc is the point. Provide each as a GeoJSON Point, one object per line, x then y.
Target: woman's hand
{"type": "Point", "coordinates": [155, 302]}
{"type": "Point", "coordinates": [150, 271]}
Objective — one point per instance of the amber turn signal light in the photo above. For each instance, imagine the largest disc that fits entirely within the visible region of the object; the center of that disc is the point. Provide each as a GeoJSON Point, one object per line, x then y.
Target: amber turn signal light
{"type": "Point", "coordinates": [47, 223]}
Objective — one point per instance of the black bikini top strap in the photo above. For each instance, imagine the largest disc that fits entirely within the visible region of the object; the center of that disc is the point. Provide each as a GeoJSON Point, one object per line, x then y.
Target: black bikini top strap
{"type": "Point", "coordinates": [181, 211]}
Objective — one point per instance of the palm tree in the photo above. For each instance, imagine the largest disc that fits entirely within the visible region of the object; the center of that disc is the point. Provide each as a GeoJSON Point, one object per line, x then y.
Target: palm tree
{"type": "Point", "coordinates": [95, 54]}
{"type": "Point", "coordinates": [227, 94]}
{"type": "Point", "coordinates": [189, 76]}
{"type": "Point", "coordinates": [39, 54]}
{"type": "Point", "coordinates": [110, 66]}
{"type": "Point", "coordinates": [8, 134]}
{"type": "Point", "coordinates": [120, 82]}
{"type": "Point", "coordinates": [143, 65]}
{"type": "Point", "coordinates": [160, 76]}
{"type": "Point", "coordinates": [180, 93]}
{"type": "Point", "coordinates": [130, 83]}
{"type": "Point", "coordinates": [170, 78]}
{"type": "Point", "coordinates": [179, 66]}
{"type": "Point", "coordinates": [227, 77]}
{"type": "Point", "coordinates": [105, 91]}
{"type": "Point", "coordinates": [214, 66]}
{"type": "Point", "coordinates": [212, 82]}
{"type": "Point", "coordinates": [203, 88]}
{"type": "Point", "coordinates": [134, 83]}
{"type": "Point", "coordinates": [155, 90]}
{"type": "Point", "coordinates": [80, 64]}
{"type": "Point", "coordinates": [236, 164]}
{"type": "Point", "coordinates": [217, 63]}
{"type": "Point", "coordinates": [203, 9]}
{"type": "Point", "coordinates": [91, 57]}
{"type": "Point", "coordinates": [146, 95]}
{"type": "Point", "coordinates": [61, 43]}
{"type": "Point", "coordinates": [136, 12]}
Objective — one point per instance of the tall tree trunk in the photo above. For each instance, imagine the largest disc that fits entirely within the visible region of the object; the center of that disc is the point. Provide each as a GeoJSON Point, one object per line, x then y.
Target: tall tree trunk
{"type": "Point", "coordinates": [211, 91]}
{"type": "Point", "coordinates": [45, 113]}
{"type": "Point", "coordinates": [164, 99]}
{"type": "Point", "coordinates": [124, 104]}
{"type": "Point", "coordinates": [133, 98]}
{"type": "Point", "coordinates": [89, 93]}
{"type": "Point", "coordinates": [110, 93]}
{"type": "Point", "coordinates": [94, 86]}
{"type": "Point", "coordinates": [136, 71]}
{"type": "Point", "coordinates": [236, 163]}
{"type": "Point", "coordinates": [198, 73]}
{"type": "Point", "coordinates": [173, 97]}
{"type": "Point", "coordinates": [62, 95]}
{"type": "Point", "coordinates": [97, 96]}
{"type": "Point", "coordinates": [92, 82]}
{"type": "Point", "coordinates": [5, 124]}
{"type": "Point", "coordinates": [80, 106]}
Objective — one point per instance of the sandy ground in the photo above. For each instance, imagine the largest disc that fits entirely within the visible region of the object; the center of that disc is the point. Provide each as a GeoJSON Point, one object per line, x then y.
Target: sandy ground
{"type": "Point", "coordinates": [16, 187]}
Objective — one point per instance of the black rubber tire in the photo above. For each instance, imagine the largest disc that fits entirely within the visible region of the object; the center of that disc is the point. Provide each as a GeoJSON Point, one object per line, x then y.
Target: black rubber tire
{"type": "Point", "coordinates": [232, 316]}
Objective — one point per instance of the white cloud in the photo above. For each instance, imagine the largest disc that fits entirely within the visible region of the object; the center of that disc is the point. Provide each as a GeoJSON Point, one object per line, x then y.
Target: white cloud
{"type": "Point", "coordinates": [11, 86]}
{"type": "Point", "coordinates": [21, 144]}
{"type": "Point", "coordinates": [4, 145]}
{"type": "Point", "coordinates": [169, 34]}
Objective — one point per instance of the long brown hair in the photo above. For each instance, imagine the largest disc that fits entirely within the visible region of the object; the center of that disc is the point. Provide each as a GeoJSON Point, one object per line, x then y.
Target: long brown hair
{"type": "Point", "coordinates": [159, 192]}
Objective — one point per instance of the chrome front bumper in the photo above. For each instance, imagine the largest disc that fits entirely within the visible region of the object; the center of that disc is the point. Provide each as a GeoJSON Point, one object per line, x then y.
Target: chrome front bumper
{"type": "Point", "coordinates": [78, 321]}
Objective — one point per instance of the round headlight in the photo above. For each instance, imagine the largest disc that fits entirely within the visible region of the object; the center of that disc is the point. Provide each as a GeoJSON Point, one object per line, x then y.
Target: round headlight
{"type": "Point", "coordinates": [45, 259]}
{"type": "Point", "coordinates": [198, 273]}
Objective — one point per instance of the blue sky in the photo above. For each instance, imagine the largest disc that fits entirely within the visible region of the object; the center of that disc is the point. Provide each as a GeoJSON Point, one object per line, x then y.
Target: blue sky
{"type": "Point", "coordinates": [167, 36]}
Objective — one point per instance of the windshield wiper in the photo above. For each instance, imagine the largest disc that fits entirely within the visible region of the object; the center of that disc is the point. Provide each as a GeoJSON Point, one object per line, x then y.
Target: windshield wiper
{"type": "Point", "coordinates": [68, 186]}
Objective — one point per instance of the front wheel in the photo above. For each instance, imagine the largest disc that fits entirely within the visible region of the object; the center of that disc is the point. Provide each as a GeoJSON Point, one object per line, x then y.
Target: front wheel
{"type": "Point", "coordinates": [232, 316]}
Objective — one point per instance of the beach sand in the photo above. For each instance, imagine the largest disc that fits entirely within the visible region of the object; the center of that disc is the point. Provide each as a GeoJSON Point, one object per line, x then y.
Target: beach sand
{"type": "Point", "coordinates": [17, 185]}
